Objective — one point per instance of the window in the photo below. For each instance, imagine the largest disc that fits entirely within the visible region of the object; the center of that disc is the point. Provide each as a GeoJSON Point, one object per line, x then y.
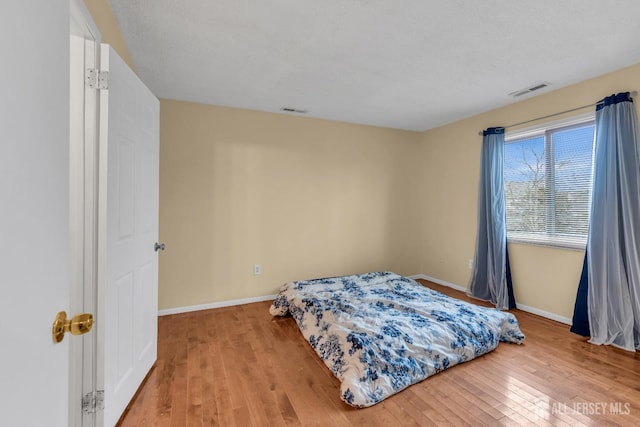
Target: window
{"type": "Point", "coordinates": [548, 175]}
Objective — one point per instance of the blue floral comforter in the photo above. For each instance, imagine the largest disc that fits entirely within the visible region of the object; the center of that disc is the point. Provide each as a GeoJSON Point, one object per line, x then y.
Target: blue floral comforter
{"type": "Point", "coordinates": [381, 332]}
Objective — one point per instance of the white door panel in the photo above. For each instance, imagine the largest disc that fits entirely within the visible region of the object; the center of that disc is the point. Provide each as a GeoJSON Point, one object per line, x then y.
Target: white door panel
{"type": "Point", "coordinates": [34, 211]}
{"type": "Point", "coordinates": [129, 145]}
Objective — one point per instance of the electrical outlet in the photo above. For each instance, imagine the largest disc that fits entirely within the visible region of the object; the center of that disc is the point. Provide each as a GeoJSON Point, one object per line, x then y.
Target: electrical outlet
{"type": "Point", "coordinates": [257, 269]}
{"type": "Point", "coordinates": [470, 264]}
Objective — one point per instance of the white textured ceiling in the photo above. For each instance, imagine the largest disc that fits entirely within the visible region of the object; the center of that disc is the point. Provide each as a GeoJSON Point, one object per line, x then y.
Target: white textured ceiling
{"type": "Point", "coordinates": [407, 64]}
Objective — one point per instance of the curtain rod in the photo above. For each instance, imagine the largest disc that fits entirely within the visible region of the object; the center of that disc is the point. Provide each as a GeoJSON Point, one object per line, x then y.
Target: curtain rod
{"type": "Point", "coordinates": [633, 95]}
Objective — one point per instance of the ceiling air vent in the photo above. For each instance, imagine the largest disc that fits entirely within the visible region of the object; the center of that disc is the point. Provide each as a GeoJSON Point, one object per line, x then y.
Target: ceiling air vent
{"type": "Point", "coordinates": [294, 110]}
{"type": "Point", "coordinates": [533, 88]}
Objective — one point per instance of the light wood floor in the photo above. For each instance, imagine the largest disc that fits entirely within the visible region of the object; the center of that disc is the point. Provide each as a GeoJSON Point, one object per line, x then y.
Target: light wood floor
{"type": "Point", "coordinates": [238, 366]}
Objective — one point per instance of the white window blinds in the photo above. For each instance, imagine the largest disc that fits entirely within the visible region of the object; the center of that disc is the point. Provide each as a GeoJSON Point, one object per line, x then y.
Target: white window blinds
{"type": "Point", "coordinates": [548, 175]}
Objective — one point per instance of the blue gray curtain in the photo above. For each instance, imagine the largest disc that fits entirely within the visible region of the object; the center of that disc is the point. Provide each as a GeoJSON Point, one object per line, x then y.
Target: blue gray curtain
{"type": "Point", "coordinates": [608, 301]}
{"type": "Point", "coordinates": [491, 276]}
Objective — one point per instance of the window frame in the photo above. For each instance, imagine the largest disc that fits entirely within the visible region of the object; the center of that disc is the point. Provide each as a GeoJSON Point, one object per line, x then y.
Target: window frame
{"type": "Point", "coordinates": [546, 129]}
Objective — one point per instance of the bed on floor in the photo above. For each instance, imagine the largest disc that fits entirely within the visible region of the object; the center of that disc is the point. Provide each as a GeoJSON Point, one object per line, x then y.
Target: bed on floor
{"type": "Point", "coordinates": [381, 332]}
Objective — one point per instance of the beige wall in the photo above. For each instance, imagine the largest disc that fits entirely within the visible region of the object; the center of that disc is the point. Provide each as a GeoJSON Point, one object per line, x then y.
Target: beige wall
{"type": "Point", "coordinates": [302, 197]}
{"type": "Point", "coordinates": [103, 17]}
{"type": "Point", "coordinates": [544, 278]}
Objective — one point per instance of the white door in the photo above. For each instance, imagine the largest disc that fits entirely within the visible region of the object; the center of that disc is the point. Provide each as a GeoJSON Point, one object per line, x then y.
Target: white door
{"type": "Point", "coordinates": [128, 264]}
{"type": "Point", "coordinates": [34, 208]}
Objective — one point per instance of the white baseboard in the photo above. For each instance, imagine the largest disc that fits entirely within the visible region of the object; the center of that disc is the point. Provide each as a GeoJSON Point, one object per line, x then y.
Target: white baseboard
{"type": "Point", "coordinates": [460, 288]}
{"type": "Point", "coordinates": [219, 304]}
{"type": "Point", "coordinates": [545, 314]}
{"type": "Point", "coordinates": [440, 282]}
{"type": "Point", "coordinates": [522, 307]}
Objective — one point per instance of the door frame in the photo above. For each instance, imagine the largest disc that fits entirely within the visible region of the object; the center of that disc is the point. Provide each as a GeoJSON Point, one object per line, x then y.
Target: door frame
{"type": "Point", "coordinates": [83, 199]}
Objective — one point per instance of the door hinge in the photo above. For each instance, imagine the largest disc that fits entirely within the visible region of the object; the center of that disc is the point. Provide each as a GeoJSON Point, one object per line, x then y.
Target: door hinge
{"type": "Point", "coordinates": [97, 79]}
{"type": "Point", "coordinates": [93, 402]}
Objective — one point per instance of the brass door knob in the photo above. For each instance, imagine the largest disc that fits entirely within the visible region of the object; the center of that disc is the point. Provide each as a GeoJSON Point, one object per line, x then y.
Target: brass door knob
{"type": "Point", "coordinates": [77, 325]}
